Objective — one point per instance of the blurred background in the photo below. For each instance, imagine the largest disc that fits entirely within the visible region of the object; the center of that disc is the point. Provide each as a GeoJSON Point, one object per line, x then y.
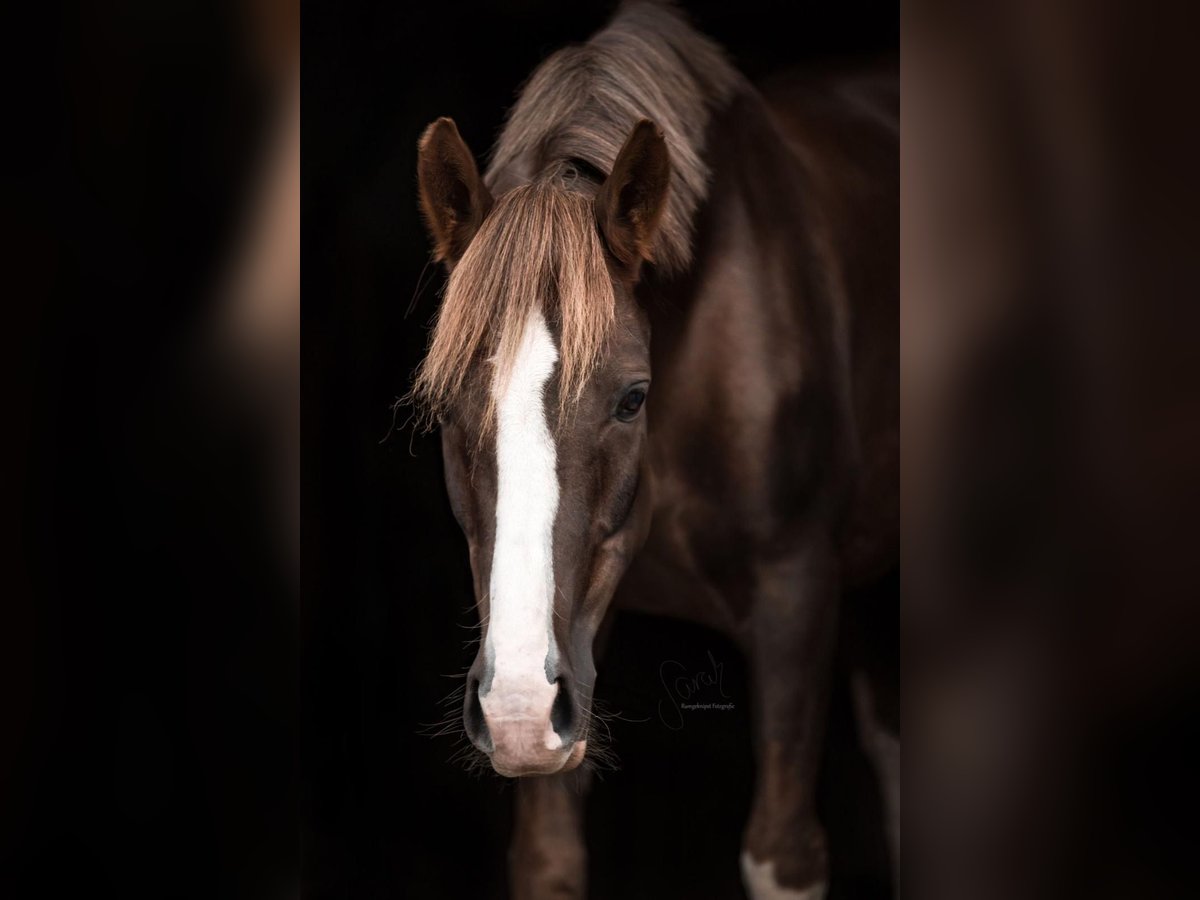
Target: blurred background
{"type": "Point", "coordinates": [1050, 443]}
{"type": "Point", "coordinates": [148, 615]}
{"type": "Point", "coordinates": [201, 698]}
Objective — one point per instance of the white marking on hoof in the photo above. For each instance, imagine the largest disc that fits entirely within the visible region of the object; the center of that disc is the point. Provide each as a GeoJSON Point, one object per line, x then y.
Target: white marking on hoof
{"type": "Point", "coordinates": [759, 879]}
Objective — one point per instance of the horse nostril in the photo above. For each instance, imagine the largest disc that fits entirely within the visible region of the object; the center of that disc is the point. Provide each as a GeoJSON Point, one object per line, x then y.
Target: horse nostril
{"type": "Point", "coordinates": [476, 724]}
{"type": "Point", "coordinates": [562, 713]}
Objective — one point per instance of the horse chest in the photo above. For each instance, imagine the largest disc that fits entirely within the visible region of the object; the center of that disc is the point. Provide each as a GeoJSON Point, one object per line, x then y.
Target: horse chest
{"type": "Point", "coordinates": [695, 564]}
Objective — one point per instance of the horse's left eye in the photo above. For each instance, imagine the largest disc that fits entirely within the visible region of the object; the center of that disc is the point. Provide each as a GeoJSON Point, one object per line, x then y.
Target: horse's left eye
{"type": "Point", "coordinates": [631, 403]}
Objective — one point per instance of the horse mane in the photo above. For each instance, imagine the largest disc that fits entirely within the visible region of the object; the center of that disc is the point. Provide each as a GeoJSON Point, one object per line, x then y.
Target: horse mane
{"type": "Point", "coordinates": [539, 247]}
{"type": "Point", "coordinates": [583, 101]}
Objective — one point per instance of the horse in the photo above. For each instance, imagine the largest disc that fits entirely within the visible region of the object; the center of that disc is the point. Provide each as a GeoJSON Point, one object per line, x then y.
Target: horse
{"type": "Point", "coordinates": [651, 224]}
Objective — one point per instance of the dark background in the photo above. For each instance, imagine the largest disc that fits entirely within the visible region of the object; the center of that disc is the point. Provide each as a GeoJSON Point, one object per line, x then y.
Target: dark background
{"type": "Point", "coordinates": [148, 626]}
{"type": "Point", "coordinates": [388, 607]}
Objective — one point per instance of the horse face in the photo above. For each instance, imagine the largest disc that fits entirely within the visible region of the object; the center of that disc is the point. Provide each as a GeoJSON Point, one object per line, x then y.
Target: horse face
{"type": "Point", "coordinates": [550, 494]}
{"type": "Point", "coordinates": [554, 505]}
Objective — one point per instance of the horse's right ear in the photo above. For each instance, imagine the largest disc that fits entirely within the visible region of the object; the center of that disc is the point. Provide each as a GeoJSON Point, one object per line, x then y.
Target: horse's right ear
{"type": "Point", "coordinates": [453, 196]}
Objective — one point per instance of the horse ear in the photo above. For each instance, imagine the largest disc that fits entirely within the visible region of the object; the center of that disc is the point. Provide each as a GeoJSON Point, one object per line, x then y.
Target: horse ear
{"type": "Point", "coordinates": [632, 200]}
{"type": "Point", "coordinates": [454, 198]}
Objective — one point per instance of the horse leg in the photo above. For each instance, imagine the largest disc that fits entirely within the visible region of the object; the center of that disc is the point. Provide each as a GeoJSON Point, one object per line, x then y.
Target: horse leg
{"type": "Point", "coordinates": [790, 639]}
{"type": "Point", "coordinates": [547, 858]}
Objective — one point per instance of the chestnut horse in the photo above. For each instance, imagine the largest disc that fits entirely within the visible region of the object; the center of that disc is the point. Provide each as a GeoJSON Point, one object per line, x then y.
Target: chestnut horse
{"type": "Point", "coordinates": [651, 218]}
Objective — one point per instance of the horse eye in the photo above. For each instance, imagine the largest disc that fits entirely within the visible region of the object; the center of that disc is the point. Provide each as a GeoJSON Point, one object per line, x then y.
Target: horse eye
{"type": "Point", "coordinates": [631, 403]}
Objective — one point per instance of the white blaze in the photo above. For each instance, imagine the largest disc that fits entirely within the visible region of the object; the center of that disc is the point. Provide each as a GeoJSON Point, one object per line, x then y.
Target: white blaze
{"type": "Point", "coordinates": [521, 591]}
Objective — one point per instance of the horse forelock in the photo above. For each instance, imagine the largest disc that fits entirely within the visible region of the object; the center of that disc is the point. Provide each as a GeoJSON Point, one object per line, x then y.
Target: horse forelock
{"type": "Point", "coordinates": [538, 251]}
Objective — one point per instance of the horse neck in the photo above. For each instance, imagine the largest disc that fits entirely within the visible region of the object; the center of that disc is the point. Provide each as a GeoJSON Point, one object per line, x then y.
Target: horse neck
{"type": "Point", "coordinates": [758, 184]}
{"type": "Point", "coordinates": [760, 304]}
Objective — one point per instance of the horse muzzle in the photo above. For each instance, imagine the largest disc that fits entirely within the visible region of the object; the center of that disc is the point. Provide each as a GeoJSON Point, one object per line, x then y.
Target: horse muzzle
{"type": "Point", "coordinates": [527, 726]}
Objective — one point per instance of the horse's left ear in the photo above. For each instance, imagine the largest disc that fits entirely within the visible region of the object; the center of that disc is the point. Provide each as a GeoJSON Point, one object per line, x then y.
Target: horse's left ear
{"type": "Point", "coordinates": [632, 200]}
{"type": "Point", "coordinates": [454, 198]}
